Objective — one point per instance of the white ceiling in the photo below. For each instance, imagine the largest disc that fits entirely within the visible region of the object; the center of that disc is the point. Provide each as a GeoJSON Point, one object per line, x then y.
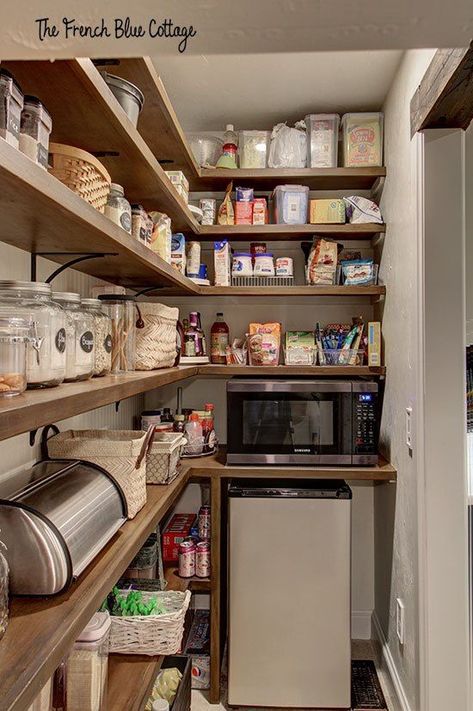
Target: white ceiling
{"type": "Point", "coordinates": [259, 90]}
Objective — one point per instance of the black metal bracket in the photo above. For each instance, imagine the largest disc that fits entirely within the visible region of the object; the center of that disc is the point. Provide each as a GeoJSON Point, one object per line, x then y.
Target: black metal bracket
{"type": "Point", "coordinates": [117, 405]}
{"type": "Point", "coordinates": [33, 434]}
{"type": "Point", "coordinates": [148, 290]}
{"type": "Point", "coordinates": [80, 257]}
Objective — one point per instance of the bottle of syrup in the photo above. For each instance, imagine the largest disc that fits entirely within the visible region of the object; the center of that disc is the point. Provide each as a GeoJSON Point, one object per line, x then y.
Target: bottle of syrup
{"type": "Point", "coordinates": [219, 340]}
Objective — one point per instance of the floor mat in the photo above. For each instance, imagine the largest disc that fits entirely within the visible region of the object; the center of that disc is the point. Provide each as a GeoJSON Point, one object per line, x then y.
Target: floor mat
{"type": "Point", "coordinates": [365, 687]}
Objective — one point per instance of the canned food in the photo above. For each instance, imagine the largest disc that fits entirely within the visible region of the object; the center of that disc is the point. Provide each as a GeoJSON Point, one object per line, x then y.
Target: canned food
{"type": "Point", "coordinates": [187, 559]}
{"type": "Point", "coordinates": [284, 266]}
{"type": "Point", "coordinates": [202, 560]}
{"type": "Point", "coordinates": [204, 523]}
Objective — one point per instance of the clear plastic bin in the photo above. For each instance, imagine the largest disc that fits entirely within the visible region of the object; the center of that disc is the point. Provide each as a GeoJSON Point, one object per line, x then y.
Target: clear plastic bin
{"type": "Point", "coordinates": [322, 140]}
{"type": "Point", "coordinates": [87, 666]}
{"type": "Point", "coordinates": [36, 125]}
{"type": "Point", "coordinates": [335, 280]}
{"type": "Point", "coordinates": [291, 203]}
{"type": "Point", "coordinates": [206, 149]}
{"type": "Point", "coordinates": [340, 357]}
{"type": "Point", "coordinates": [362, 140]}
{"type": "Point", "coordinates": [253, 148]}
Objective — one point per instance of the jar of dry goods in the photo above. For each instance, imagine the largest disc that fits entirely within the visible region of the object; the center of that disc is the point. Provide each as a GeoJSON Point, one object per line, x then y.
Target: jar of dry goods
{"type": "Point", "coordinates": [121, 309]}
{"type": "Point", "coordinates": [14, 337]}
{"type": "Point", "coordinates": [11, 103]}
{"type": "Point", "coordinates": [46, 350]}
{"type": "Point", "coordinates": [36, 125]}
{"type": "Point", "coordinates": [102, 336]}
{"type": "Point", "coordinates": [4, 574]}
{"type": "Point", "coordinates": [80, 352]}
{"type": "Point", "coordinates": [118, 209]}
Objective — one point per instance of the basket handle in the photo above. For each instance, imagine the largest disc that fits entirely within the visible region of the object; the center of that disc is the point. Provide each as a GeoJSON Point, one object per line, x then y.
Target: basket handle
{"type": "Point", "coordinates": [148, 441]}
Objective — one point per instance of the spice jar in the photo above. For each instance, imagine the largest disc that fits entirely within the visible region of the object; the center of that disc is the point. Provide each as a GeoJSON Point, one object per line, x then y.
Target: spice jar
{"type": "Point", "coordinates": [14, 336]}
{"type": "Point", "coordinates": [80, 352]}
{"type": "Point", "coordinates": [35, 128]}
{"type": "Point", "coordinates": [4, 575]}
{"type": "Point", "coordinates": [118, 209]}
{"type": "Point", "coordinates": [11, 102]}
{"type": "Point", "coordinates": [102, 336]}
{"type": "Point", "coordinates": [46, 349]}
{"type": "Point", "coordinates": [121, 309]}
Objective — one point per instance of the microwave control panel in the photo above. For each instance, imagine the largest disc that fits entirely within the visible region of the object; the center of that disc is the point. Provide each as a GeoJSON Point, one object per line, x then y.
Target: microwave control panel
{"type": "Point", "coordinates": [365, 422]}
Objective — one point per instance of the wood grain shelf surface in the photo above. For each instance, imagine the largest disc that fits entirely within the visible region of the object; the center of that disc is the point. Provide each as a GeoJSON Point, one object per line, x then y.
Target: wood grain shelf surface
{"type": "Point", "coordinates": [175, 582]}
{"type": "Point", "coordinates": [343, 291]}
{"type": "Point", "coordinates": [131, 679]}
{"type": "Point", "coordinates": [268, 178]}
{"type": "Point", "coordinates": [41, 630]}
{"type": "Point", "coordinates": [315, 371]}
{"type": "Point", "coordinates": [289, 232]}
{"type": "Point", "coordinates": [99, 125]}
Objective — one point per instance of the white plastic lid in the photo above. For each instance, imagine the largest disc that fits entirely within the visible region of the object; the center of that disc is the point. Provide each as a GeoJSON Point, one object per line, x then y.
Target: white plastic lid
{"type": "Point", "coordinates": [160, 705]}
{"type": "Point", "coordinates": [229, 127]}
{"type": "Point", "coordinates": [96, 628]}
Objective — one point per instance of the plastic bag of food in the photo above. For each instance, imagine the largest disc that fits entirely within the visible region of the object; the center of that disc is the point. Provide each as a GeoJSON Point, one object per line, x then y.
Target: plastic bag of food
{"type": "Point", "coordinates": [165, 686]}
{"type": "Point", "coordinates": [360, 210]}
{"type": "Point", "coordinates": [358, 272]}
{"type": "Point", "coordinates": [226, 212]}
{"type": "Point", "coordinates": [161, 235]}
{"type": "Point", "coordinates": [288, 147]}
{"type": "Point", "coordinates": [264, 342]}
{"type": "Point", "coordinates": [322, 264]}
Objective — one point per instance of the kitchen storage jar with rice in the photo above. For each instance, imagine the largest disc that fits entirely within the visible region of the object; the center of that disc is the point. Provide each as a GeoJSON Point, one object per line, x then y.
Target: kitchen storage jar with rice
{"type": "Point", "coordinates": [102, 336]}
{"type": "Point", "coordinates": [121, 310]}
{"type": "Point", "coordinates": [46, 348]}
{"type": "Point", "coordinates": [80, 352]}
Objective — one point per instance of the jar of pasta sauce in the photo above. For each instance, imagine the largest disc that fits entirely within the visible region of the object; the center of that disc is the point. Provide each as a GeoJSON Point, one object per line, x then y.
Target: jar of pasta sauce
{"type": "Point", "coordinates": [202, 559]}
{"type": "Point", "coordinates": [186, 559]}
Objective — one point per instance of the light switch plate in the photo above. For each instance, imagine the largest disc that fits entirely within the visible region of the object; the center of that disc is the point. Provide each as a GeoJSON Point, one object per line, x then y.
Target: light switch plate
{"type": "Point", "coordinates": [409, 432]}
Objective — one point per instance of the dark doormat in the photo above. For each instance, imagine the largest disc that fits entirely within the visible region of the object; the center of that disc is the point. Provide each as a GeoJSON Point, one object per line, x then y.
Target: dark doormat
{"type": "Point", "coordinates": [366, 691]}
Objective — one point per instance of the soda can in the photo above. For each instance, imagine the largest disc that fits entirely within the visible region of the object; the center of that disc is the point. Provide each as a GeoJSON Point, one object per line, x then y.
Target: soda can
{"type": "Point", "coordinates": [202, 560]}
{"type": "Point", "coordinates": [187, 559]}
{"type": "Point", "coordinates": [204, 523]}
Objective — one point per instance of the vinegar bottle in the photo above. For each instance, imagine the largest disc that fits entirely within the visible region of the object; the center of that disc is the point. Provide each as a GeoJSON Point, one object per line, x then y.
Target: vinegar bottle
{"type": "Point", "coordinates": [219, 340]}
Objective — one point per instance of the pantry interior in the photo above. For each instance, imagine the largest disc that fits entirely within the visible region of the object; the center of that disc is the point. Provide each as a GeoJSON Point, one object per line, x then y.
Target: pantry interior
{"type": "Point", "coordinates": [41, 216]}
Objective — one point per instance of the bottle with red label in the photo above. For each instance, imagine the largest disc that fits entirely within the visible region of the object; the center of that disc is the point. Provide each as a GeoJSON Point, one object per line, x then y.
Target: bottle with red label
{"type": "Point", "coordinates": [219, 340]}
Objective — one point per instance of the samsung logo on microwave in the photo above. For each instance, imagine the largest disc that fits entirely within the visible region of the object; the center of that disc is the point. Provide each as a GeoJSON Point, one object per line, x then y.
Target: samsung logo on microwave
{"type": "Point", "coordinates": [301, 450]}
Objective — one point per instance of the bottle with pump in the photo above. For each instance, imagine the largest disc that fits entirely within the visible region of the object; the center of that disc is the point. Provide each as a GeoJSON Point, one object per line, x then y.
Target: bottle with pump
{"type": "Point", "coordinates": [219, 340]}
{"type": "Point", "coordinates": [230, 146]}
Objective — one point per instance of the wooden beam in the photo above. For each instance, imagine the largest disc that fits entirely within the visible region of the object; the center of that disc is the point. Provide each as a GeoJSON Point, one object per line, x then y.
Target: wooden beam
{"type": "Point", "coordinates": [444, 98]}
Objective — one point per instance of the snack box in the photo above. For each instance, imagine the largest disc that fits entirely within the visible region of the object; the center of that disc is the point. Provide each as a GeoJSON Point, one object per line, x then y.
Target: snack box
{"type": "Point", "coordinates": [243, 213]}
{"type": "Point", "coordinates": [198, 647]}
{"type": "Point", "coordinates": [374, 343]}
{"type": "Point", "coordinates": [260, 211]}
{"type": "Point", "coordinates": [326, 212]}
{"type": "Point", "coordinates": [177, 177]}
{"type": "Point", "coordinates": [176, 530]}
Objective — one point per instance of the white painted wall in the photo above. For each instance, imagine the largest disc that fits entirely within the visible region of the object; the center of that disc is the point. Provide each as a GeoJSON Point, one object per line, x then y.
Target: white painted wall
{"type": "Point", "coordinates": [395, 506]}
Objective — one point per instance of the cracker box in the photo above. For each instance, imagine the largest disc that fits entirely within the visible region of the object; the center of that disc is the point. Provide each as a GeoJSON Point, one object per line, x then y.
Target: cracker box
{"type": "Point", "coordinates": [176, 530]}
{"type": "Point", "coordinates": [243, 213]}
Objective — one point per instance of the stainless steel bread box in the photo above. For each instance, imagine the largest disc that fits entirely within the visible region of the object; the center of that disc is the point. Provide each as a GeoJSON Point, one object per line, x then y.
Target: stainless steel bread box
{"type": "Point", "coordinates": [54, 519]}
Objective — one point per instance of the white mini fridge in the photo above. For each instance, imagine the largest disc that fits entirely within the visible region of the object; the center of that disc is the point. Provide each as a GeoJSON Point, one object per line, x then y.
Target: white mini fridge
{"type": "Point", "coordinates": [289, 594]}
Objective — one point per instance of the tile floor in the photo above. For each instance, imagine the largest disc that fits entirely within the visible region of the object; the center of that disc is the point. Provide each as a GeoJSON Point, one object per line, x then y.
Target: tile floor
{"type": "Point", "coordinates": [360, 650]}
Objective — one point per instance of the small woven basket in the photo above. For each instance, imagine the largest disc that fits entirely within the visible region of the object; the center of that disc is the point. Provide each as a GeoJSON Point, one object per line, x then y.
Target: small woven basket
{"type": "Point", "coordinates": [120, 452]}
{"type": "Point", "coordinates": [152, 634]}
{"type": "Point", "coordinates": [163, 457]}
{"type": "Point", "coordinates": [156, 336]}
{"type": "Point", "coordinates": [81, 172]}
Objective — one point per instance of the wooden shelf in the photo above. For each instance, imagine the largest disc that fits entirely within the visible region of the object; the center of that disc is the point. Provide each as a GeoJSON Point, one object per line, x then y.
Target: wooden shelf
{"type": "Point", "coordinates": [36, 408]}
{"type": "Point", "coordinates": [177, 583]}
{"type": "Point", "coordinates": [343, 291]}
{"type": "Point", "coordinates": [99, 125]}
{"type": "Point", "coordinates": [288, 232]}
{"type": "Point", "coordinates": [268, 178]}
{"type": "Point", "coordinates": [42, 630]}
{"type": "Point", "coordinates": [316, 371]}
{"type": "Point", "coordinates": [130, 680]}
{"type": "Point", "coordinates": [215, 466]}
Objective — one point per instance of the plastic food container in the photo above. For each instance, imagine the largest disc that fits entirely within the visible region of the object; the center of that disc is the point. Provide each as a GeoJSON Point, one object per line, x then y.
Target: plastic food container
{"type": "Point", "coordinates": [87, 666]}
{"type": "Point", "coordinates": [11, 103]}
{"type": "Point", "coordinates": [291, 204]}
{"type": "Point", "coordinates": [362, 139]}
{"type": "Point", "coordinates": [253, 148]}
{"type": "Point", "coordinates": [206, 149]}
{"type": "Point", "coordinates": [340, 357]}
{"type": "Point", "coordinates": [264, 265]}
{"type": "Point", "coordinates": [36, 125]}
{"type": "Point", "coordinates": [322, 140]}
{"type": "Point", "coordinates": [128, 95]}
{"type": "Point", "coordinates": [242, 264]}
{"type": "Point", "coordinates": [80, 347]}
{"type": "Point", "coordinates": [14, 336]}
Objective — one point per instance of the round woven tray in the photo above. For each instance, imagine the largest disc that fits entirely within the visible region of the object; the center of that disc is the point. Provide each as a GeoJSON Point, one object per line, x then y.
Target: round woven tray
{"type": "Point", "coordinates": [81, 172]}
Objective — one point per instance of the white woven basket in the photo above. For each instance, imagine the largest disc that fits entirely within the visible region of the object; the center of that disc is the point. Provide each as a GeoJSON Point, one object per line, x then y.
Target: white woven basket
{"type": "Point", "coordinates": [120, 452]}
{"type": "Point", "coordinates": [152, 634]}
{"type": "Point", "coordinates": [163, 457]}
{"type": "Point", "coordinates": [156, 339]}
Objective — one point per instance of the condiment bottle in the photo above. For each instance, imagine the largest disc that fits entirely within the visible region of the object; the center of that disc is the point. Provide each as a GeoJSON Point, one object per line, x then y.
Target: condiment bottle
{"type": "Point", "coordinates": [219, 340]}
{"type": "Point", "coordinates": [179, 423]}
{"type": "Point", "coordinates": [193, 430]}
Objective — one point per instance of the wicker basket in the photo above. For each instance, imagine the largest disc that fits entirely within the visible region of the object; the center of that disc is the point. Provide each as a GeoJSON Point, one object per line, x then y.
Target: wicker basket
{"type": "Point", "coordinates": [81, 172]}
{"type": "Point", "coordinates": [152, 634]}
{"type": "Point", "coordinates": [156, 336]}
{"type": "Point", "coordinates": [121, 452]}
{"type": "Point", "coordinates": [163, 457]}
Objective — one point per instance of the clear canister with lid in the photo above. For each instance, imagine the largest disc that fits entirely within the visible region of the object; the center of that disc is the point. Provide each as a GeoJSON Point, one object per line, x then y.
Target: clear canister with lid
{"type": "Point", "coordinates": [80, 351]}
{"type": "Point", "coordinates": [11, 104]}
{"type": "Point", "coordinates": [14, 337]}
{"type": "Point", "coordinates": [102, 336]}
{"type": "Point", "coordinates": [87, 666]}
{"type": "Point", "coordinates": [36, 125]}
{"type": "Point", "coordinates": [121, 310]}
{"type": "Point", "coordinates": [46, 357]}
{"type": "Point", "coordinates": [118, 209]}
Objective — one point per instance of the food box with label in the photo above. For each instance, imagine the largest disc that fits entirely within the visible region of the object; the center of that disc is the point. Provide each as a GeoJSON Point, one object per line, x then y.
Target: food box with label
{"type": "Point", "coordinates": [326, 212]}
{"type": "Point", "coordinates": [198, 647]}
{"type": "Point", "coordinates": [176, 530]}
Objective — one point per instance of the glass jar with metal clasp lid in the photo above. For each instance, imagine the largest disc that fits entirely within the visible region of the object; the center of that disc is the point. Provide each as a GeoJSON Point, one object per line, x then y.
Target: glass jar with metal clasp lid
{"type": "Point", "coordinates": [46, 347]}
{"type": "Point", "coordinates": [14, 337]}
{"type": "Point", "coordinates": [80, 351]}
{"type": "Point", "coordinates": [102, 336]}
{"type": "Point", "coordinates": [121, 309]}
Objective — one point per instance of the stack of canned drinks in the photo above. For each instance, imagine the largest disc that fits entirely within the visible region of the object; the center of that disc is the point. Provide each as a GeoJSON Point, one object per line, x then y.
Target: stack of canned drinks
{"type": "Point", "coordinates": [194, 551]}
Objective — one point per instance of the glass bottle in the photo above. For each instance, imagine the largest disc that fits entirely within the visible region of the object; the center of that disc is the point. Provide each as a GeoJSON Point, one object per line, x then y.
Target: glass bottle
{"type": "Point", "coordinates": [121, 309]}
{"type": "Point", "coordinates": [118, 209]}
{"type": "Point", "coordinates": [219, 340]}
{"type": "Point", "coordinates": [179, 423]}
{"type": "Point", "coordinates": [80, 351]}
{"type": "Point", "coordinates": [4, 576]}
{"type": "Point", "coordinates": [102, 336]}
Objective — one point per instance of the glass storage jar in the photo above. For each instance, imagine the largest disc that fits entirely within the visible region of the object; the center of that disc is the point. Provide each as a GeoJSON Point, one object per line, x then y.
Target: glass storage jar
{"type": "Point", "coordinates": [118, 209]}
{"type": "Point", "coordinates": [14, 336]}
{"type": "Point", "coordinates": [121, 309]}
{"type": "Point", "coordinates": [102, 336]}
{"type": "Point", "coordinates": [4, 576]}
{"type": "Point", "coordinates": [46, 350]}
{"type": "Point", "coordinates": [80, 352]}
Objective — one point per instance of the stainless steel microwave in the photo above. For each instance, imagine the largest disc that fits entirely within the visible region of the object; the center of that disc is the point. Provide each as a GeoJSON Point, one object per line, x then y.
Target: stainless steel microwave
{"type": "Point", "coordinates": [306, 422]}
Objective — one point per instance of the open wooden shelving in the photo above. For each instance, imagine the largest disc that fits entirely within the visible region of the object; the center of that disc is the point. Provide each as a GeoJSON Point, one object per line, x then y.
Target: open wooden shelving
{"type": "Point", "coordinates": [131, 679]}
{"type": "Point", "coordinates": [343, 291]}
{"type": "Point", "coordinates": [288, 232]}
{"type": "Point", "coordinates": [314, 371]}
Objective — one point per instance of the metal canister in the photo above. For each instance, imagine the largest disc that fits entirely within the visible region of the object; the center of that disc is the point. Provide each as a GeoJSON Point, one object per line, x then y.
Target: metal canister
{"type": "Point", "coordinates": [187, 559]}
{"type": "Point", "coordinates": [202, 560]}
{"type": "Point", "coordinates": [204, 523]}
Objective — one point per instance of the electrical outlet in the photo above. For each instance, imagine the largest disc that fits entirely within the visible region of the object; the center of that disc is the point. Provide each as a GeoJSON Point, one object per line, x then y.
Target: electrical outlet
{"type": "Point", "coordinates": [409, 434]}
{"type": "Point", "coordinates": [400, 620]}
